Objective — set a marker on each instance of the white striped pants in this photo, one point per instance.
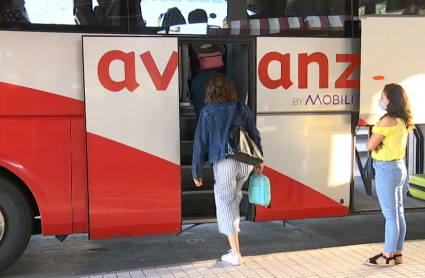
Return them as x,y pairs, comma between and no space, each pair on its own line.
230,176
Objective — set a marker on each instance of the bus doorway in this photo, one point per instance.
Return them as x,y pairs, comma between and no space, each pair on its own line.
198,205
364,191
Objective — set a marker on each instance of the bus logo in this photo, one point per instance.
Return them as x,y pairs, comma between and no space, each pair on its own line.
161,82
304,60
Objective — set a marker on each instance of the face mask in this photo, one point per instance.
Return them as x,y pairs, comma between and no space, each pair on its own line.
382,104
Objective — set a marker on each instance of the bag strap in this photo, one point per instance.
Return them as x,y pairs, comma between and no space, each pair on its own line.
236,118
259,172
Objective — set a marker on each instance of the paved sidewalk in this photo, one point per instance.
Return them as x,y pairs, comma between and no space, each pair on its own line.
331,262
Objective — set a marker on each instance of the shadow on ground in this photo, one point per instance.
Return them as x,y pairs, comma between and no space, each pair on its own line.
47,257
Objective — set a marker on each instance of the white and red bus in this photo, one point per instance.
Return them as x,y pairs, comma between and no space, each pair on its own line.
96,125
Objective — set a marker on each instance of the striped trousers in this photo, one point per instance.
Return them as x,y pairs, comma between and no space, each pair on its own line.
230,176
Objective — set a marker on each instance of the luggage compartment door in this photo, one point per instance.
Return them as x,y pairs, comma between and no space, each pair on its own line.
133,137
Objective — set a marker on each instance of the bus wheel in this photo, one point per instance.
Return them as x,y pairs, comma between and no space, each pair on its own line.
16,222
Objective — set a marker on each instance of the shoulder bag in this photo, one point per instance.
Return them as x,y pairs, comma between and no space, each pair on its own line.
240,146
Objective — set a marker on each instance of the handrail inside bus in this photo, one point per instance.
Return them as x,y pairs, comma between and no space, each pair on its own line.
419,157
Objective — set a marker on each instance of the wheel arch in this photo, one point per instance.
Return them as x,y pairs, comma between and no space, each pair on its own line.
24,182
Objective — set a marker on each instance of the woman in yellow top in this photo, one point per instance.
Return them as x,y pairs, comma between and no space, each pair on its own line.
388,147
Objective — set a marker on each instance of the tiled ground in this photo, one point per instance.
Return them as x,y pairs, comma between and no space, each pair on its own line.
331,262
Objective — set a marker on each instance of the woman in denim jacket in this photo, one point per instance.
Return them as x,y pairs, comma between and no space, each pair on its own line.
388,146
215,121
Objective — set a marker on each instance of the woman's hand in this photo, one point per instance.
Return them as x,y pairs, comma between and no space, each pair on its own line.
198,182
259,167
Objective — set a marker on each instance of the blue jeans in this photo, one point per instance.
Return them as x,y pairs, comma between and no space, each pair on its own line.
198,87
390,178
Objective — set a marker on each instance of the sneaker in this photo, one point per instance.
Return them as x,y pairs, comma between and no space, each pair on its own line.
231,258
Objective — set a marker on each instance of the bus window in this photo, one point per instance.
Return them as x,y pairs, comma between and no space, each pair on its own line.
290,18
211,12
118,15
393,7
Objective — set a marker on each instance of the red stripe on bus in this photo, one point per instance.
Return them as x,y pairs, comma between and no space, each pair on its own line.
131,192
294,200
22,101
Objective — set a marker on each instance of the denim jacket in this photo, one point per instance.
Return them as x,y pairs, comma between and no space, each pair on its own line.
214,124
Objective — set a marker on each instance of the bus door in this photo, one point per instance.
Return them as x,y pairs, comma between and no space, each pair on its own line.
133,137
307,91
392,48
391,51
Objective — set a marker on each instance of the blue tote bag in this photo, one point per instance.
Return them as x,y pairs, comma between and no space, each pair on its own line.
259,190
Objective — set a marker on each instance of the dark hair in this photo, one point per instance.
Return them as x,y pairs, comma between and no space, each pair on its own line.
220,89
399,106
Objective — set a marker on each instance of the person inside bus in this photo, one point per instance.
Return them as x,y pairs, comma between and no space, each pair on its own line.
216,119
206,61
388,147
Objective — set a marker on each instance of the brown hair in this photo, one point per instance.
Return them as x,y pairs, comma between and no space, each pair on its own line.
399,105
220,89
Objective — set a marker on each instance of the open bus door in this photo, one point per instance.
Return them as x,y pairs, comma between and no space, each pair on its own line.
392,48
391,51
133,137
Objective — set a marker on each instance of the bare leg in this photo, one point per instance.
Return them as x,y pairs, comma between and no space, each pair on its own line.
388,255
234,243
398,257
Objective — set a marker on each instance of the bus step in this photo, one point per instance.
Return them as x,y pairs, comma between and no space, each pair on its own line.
189,167
201,190
198,191
204,219
186,152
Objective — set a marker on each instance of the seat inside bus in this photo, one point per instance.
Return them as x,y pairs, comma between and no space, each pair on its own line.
198,16
173,17
13,11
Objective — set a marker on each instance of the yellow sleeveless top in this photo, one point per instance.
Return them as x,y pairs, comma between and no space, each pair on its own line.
394,142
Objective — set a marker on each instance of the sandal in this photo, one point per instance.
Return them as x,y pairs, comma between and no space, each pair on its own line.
398,259
380,262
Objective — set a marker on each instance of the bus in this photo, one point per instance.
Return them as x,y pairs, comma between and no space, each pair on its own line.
97,124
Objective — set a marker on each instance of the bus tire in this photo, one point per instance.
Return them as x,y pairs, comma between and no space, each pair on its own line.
17,223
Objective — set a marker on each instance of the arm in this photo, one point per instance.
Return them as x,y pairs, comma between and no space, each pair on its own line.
374,141
200,146
379,134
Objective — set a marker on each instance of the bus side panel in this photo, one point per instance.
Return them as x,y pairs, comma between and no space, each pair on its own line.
133,136
40,151
307,89
308,161
399,60
40,81
79,175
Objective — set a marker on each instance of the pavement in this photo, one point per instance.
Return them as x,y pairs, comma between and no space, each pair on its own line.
327,263
77,256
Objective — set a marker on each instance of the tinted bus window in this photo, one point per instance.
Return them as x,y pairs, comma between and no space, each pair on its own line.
157,13
393,7
117,15
202,17
288,17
